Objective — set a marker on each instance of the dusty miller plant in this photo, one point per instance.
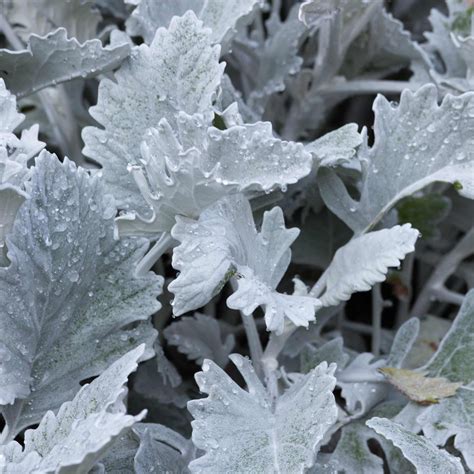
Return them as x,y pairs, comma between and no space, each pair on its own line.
236,236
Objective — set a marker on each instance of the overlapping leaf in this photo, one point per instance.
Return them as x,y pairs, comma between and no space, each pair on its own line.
120,455
162,450
224,242
453,416
188,164
423,454
417,387
450,46
352,453
79,17
454,358
179,71
336,147
15,154
240,431
55,58
70,302
417,143
187,170
221,16
275,58
330,352
360,40
150,15
76,437
361,383
455,361
200,337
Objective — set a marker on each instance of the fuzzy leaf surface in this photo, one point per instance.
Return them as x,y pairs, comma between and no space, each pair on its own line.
79,17
424,455
162,450
179,71
454,360
76,437
223,242
240,432
55,58
365,260
336,147
200,337
188,169
362,396
221,16
69,296
14,156
416,143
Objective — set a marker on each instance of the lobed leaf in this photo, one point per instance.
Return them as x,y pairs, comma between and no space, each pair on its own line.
55,58
200,337
71,305
79,17
224,242
221,16
240,430
82,430
187,170
162,450
179,71
416,143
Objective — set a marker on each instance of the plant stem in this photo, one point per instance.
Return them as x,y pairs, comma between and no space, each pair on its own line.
12,414
255,346
358,327
277,342
377,310
147,262
448,296
360,25
406,275
253,338
434,287
319,286
4,435
10,35
270,358
69,145
361,377
364,87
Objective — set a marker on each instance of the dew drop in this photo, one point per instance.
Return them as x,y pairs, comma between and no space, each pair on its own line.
73,276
